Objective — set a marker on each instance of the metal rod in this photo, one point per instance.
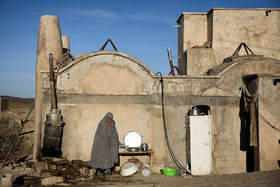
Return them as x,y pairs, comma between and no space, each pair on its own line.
109,40
245,47
26,133
248,48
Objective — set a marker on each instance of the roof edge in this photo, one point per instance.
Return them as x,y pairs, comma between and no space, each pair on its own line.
212,9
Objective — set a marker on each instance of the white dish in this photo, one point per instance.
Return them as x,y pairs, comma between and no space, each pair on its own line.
132,139
128,169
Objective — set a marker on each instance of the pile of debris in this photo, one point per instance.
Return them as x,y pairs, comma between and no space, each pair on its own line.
59,170
50,171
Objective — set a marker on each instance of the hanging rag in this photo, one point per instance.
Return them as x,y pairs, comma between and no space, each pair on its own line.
253,123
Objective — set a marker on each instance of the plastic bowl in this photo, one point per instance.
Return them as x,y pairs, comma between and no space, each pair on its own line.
128,169
169,172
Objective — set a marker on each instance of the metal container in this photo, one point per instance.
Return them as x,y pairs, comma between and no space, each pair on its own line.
146,171
194,112
144,147
133,149
199,110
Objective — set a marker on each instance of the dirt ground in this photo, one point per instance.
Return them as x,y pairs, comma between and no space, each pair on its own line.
271,178
264,178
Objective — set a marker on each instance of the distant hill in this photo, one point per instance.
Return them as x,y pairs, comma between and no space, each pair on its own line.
18,99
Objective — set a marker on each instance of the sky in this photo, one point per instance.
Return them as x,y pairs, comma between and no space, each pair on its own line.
141,28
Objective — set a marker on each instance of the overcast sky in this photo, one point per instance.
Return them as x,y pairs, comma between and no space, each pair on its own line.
141,28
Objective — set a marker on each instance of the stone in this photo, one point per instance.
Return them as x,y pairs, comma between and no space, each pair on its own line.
86,172
45,174
6,180
51,166
52,180
39,166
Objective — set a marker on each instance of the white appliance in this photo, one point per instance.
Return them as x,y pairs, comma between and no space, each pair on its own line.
198,136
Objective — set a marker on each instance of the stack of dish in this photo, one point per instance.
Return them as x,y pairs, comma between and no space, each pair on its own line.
132,141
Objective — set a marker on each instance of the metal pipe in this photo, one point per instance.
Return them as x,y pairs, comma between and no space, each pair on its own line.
53,93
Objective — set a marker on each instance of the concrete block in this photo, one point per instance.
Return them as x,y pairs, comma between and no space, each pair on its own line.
52,180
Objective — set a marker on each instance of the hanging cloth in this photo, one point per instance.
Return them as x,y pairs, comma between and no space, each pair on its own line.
250,102
253,123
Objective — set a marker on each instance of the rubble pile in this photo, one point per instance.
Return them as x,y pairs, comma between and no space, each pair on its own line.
56,170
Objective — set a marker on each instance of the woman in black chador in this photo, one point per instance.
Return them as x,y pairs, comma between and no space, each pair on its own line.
104,153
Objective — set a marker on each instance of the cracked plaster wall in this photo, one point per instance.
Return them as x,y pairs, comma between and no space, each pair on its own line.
222,30
252,26
269,107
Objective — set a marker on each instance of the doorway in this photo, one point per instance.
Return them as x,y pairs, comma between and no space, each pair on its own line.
249,133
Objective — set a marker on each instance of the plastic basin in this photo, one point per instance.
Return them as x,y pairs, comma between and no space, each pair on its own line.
169,172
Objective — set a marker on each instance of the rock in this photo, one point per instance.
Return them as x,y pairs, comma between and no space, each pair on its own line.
79,162
63,184
51,166
86,172
59,167
6,180
45,174
52,180
39,166
58,159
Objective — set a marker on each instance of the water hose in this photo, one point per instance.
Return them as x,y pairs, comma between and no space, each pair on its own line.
165,129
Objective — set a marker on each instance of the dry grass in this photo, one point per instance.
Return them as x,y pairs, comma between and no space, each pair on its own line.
17,112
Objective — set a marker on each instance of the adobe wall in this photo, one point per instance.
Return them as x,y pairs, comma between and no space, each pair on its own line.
222,30
192,31
269,106
252,26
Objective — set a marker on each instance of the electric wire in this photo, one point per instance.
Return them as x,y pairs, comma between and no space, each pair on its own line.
267,122
165,129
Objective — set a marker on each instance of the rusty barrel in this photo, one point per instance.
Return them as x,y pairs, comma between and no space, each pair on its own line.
53,134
